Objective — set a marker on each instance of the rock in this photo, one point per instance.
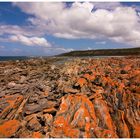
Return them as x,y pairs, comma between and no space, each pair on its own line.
53,67
46,129
9,128
76,113
136,132
11,84
9,103
50,110
133,119
103,133
123,72
2,94
33,98
94,96
102,114
29,117
37,135
42,104
71,97
22,79
70,90
32,108
122,128
48,119
20,110
24,133
81,82
34,124
45,94
89,77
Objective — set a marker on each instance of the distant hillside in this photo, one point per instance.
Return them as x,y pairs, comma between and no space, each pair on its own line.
104,52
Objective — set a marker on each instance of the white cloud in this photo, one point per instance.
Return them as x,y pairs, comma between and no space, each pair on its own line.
101,42
109,20
15,29
34,41
30,41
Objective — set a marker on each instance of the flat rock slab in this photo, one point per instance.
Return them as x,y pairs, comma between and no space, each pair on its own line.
38,107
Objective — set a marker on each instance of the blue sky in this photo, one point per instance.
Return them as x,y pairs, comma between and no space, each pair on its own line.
53,28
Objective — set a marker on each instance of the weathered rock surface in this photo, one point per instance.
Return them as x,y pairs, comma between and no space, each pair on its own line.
76,98
77,118
9,128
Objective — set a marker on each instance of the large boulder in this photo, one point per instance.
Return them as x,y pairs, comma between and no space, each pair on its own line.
76,118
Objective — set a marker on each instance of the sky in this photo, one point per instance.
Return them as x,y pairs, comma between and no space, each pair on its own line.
50,28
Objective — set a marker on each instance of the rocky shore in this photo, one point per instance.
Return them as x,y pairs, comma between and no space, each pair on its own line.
79,98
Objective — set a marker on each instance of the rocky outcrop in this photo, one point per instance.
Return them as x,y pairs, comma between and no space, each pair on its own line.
77,98
77,118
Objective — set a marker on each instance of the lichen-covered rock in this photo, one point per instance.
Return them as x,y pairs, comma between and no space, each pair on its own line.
132,116
8,104
121,127
75,98
104,133
102,114
81,82
76,113
9,128
37,135
50,110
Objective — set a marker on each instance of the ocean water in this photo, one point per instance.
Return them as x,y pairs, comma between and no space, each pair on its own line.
7,58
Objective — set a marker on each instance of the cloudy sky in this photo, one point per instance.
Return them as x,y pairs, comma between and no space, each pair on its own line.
52,28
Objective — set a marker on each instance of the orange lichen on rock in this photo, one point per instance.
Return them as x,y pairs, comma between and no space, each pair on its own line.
77,113
89,77
104,133
37,135
133,119
49,110
121,87
12,101
9,128
81,82
136,132
102,114
121,126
